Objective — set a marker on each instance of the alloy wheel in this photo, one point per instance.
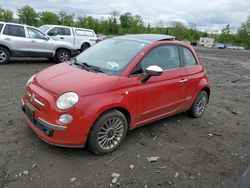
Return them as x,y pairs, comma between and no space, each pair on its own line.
111,133
201,105
64,56
3,56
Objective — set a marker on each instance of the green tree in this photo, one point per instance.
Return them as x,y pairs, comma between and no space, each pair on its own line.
226,36
27,15
6,15
125,20
136,24
66,19
243,34
112,22
48,17
180,31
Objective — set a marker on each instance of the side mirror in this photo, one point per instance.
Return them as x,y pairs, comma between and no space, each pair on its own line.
52,34
152,70
46,38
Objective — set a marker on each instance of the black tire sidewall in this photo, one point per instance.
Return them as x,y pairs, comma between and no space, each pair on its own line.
84,47
7,56
93,134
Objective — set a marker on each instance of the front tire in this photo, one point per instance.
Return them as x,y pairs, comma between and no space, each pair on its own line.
108,132
62,55
4,55
199,106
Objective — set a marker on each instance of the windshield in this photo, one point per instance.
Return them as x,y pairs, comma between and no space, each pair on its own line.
112,55
44,28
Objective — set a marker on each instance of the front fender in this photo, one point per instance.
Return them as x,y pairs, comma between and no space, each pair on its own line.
95,105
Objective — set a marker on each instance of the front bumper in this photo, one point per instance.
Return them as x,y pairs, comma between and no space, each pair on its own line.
51,133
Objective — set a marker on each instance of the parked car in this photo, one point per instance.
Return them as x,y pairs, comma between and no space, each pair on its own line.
117,85
17,40
79,37
235,48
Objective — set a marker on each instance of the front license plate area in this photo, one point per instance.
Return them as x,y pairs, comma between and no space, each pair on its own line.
29,112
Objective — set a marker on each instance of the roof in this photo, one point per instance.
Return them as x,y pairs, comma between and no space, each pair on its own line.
148,37
12,23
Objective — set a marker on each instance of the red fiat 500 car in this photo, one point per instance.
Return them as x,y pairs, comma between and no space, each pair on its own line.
117,85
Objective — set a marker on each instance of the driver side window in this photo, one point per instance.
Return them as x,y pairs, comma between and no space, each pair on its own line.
165,56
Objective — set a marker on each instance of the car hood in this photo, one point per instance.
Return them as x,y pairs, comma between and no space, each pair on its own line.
64,77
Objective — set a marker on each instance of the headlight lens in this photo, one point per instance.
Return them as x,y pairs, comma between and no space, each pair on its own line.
67,100
30,80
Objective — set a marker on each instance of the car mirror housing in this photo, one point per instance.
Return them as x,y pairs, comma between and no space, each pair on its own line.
46,38
152,70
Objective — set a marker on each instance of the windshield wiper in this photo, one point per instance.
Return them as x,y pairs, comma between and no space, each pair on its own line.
80,64
87,66
92,67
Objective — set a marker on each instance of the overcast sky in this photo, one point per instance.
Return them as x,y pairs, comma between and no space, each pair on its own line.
209,14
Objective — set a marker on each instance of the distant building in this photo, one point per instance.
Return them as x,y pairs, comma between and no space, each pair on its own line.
207,42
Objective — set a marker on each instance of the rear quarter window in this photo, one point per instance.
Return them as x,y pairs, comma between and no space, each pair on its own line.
189,57
14,30
1,27
84,32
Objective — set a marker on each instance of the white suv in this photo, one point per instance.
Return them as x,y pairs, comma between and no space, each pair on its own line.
18,40
79,37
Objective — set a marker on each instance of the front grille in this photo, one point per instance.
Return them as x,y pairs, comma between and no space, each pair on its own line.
32,97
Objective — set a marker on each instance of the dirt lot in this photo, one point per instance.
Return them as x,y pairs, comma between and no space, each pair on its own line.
209,152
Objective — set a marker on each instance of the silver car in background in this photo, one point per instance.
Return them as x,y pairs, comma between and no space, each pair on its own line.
18,40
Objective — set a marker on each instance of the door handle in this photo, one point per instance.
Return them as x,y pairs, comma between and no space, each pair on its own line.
183,80
33,41
8,39
61,38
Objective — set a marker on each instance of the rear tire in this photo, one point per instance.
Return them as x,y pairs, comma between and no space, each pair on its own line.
62,55
4,55
85,46
108,132
199,106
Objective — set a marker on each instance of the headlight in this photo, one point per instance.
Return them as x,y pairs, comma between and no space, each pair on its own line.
30,80
67,100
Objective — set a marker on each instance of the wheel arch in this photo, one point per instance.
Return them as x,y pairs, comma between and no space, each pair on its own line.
87,43
3,46
207,90
62,48
121,109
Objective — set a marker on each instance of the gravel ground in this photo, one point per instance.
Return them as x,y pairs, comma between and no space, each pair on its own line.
208,152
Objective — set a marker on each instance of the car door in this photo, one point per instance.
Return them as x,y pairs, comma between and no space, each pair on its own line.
161,95
62,34
38,43
15,38
194,72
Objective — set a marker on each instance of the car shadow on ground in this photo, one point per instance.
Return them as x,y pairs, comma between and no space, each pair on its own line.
150,130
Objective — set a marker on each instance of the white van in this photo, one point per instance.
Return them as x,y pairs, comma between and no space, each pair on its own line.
79,37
